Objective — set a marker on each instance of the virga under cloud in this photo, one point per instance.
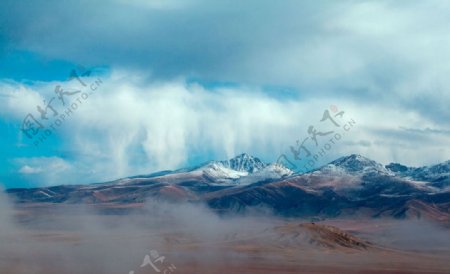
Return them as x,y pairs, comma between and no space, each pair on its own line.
377,60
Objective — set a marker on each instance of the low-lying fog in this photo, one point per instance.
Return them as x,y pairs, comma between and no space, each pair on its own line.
80,239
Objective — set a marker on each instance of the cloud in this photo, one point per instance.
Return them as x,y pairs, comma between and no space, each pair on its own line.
426,130
368,51
26,169
378,60
134,126
45,171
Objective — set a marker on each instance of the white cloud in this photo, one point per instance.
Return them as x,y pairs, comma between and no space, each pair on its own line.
46,170
26,169
381,61
130,127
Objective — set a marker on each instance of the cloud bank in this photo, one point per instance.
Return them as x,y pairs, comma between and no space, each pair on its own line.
195,80
133,126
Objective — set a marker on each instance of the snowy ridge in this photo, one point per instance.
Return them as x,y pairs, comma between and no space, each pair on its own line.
218,170
438,175
355,164
434,171
270,172
244,162
243,169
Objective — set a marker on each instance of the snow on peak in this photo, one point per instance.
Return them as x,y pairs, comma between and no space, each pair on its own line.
269,172
355,164
218,170
244,162
426,173
276,170
243,169
442,168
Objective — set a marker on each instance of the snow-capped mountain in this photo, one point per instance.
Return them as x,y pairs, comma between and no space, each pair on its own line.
349,185
244,163
217,170
438,175
269,172
243,169
354,164
439,170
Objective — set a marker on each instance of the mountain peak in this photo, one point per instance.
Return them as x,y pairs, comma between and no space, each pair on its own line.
438,175
244,162
243,156
355,164
397,168
242,169
356,157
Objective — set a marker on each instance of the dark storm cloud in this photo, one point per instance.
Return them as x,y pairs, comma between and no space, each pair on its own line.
383,62
381,51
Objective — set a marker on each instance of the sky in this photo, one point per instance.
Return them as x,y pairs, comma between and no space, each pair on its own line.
141,86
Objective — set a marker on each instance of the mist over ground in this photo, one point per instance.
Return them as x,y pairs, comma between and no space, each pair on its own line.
80,239
83,239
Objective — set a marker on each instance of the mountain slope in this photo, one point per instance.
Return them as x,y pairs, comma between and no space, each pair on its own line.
242,170
351,185
244,163
355,164
437,175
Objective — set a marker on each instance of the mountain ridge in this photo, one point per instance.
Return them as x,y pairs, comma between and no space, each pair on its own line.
349,185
